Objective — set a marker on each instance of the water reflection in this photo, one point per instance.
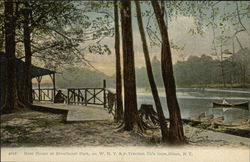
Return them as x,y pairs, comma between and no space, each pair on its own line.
196,101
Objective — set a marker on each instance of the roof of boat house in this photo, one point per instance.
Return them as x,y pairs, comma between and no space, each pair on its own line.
36,71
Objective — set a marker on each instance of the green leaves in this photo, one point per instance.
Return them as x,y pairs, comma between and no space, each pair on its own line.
99,49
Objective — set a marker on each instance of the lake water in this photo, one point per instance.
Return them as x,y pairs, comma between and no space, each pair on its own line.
196,101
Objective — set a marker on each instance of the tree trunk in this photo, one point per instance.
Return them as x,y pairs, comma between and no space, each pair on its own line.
164,129
27,68
222,67
11,102
2,39
119,111
244,75
176,134
131,117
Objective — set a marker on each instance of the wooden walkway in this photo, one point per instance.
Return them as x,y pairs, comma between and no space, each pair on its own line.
79,112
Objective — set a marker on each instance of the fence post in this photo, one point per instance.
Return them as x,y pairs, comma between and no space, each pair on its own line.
74,96
85,97
54,86
39,78
94,96
104,93
82,98
68,97
78,96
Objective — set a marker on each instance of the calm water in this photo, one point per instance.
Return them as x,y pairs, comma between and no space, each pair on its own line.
196,101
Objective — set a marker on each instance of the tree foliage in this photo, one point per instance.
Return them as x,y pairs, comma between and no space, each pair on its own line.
203,70
76,77
226,19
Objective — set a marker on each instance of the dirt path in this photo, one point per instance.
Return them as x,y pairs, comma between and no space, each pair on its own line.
32,128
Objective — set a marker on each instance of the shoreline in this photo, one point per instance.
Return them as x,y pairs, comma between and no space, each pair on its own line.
220,127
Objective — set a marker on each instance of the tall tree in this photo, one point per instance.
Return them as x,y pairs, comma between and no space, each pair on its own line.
119,111
131,118
164,129
1,26
26,98
37,21
222,66
176,134
11,102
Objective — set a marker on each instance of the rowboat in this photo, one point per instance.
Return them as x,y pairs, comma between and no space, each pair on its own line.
242,105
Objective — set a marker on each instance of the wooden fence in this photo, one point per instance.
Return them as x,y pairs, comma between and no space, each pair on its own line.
80,96
85,96
45,94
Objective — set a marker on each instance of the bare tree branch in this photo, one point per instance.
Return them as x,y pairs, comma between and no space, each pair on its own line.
216,3
43,48
213,27
239,18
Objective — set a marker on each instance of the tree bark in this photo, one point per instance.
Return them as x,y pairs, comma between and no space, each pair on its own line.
131,117
176,134
27,48
11,103
2,39
164,129
222,67
119,111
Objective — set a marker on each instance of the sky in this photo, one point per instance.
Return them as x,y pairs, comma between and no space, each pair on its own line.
178,33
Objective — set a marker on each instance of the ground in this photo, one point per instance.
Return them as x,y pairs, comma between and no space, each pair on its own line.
33,128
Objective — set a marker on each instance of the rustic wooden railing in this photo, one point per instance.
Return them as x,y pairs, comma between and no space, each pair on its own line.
80,96
86,96
45,94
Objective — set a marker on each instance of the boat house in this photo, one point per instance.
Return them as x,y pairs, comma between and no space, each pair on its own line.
37,73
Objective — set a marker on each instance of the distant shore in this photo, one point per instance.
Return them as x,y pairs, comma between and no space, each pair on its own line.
221,86
197,88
